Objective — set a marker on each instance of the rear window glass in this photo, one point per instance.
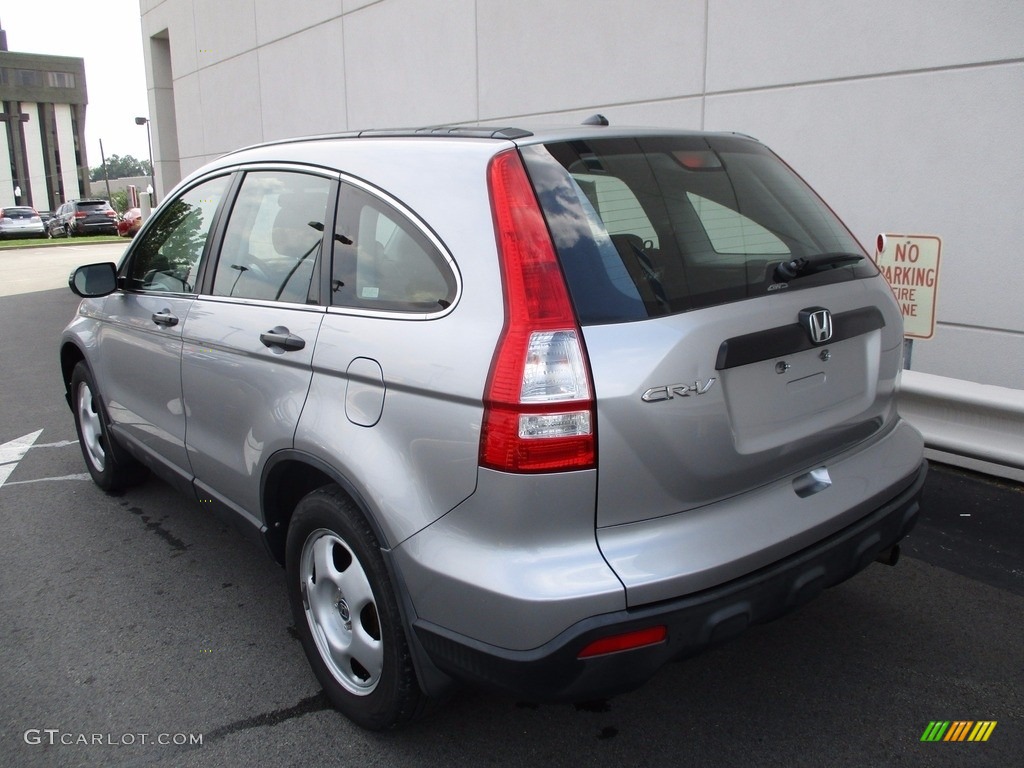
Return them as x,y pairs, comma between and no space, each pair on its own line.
658,225
93,205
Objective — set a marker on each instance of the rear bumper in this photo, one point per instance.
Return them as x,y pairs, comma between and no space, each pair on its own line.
109,227
695,622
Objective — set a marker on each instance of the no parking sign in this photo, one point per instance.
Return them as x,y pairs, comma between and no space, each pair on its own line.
910,263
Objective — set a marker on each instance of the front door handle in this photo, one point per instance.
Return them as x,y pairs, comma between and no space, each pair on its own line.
282,338
165,318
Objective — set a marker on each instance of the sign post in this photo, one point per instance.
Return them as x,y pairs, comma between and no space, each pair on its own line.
910,264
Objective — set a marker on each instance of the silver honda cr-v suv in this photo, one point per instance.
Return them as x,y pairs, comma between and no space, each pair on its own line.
539,411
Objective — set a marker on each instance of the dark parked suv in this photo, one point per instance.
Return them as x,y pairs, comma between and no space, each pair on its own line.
83,217
540,411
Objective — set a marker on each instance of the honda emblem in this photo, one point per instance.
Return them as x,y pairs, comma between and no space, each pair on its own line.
818,322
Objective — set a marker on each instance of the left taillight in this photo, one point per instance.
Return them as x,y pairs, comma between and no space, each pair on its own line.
539,412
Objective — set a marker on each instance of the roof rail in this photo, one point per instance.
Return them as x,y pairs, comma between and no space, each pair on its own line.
465,131
468,131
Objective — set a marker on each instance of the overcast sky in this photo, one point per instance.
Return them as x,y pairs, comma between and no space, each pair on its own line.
108,35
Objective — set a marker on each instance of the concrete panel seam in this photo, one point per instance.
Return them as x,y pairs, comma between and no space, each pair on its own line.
868,77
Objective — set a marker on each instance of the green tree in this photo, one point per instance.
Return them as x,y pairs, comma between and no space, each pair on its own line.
119,167
119,200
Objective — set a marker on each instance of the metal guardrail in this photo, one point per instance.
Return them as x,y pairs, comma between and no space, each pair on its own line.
976,426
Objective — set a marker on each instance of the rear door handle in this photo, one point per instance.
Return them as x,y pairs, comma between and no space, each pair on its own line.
165,318
282,338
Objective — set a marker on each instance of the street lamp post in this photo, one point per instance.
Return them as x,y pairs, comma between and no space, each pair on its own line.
152,169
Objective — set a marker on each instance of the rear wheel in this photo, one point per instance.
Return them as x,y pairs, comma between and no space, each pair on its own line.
109,465
347,615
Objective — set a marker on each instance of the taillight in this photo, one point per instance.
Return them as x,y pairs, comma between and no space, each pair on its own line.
80,214
111,213
538,405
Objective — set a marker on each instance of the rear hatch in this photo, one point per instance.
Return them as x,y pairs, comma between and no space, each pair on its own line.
21,214
95,212
736,331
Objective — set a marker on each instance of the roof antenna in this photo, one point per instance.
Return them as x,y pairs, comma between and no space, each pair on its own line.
597,119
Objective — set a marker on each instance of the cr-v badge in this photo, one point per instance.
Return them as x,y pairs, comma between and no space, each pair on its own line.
670,391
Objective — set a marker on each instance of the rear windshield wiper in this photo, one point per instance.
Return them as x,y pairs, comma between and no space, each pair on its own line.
790,270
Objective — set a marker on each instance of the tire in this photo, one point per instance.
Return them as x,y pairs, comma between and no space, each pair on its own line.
347,615
110,467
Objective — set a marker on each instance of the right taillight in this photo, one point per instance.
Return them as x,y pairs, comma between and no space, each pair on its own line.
538,404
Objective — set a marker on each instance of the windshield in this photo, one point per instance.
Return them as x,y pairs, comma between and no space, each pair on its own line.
652,226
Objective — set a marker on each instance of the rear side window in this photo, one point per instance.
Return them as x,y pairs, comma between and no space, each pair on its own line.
731,232
652,226
384,262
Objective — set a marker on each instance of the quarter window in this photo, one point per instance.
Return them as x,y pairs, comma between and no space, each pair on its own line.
382,261
274,237
733,233
167,259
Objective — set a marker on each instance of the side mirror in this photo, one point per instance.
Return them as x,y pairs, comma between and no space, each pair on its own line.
93,280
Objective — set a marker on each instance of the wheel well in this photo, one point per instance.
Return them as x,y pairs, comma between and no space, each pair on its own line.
286,484
70,356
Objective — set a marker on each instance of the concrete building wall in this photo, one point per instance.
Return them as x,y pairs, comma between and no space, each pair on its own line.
6,178
899,114
66,147
38,180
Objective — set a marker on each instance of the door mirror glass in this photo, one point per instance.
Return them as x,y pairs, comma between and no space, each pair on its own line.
93,280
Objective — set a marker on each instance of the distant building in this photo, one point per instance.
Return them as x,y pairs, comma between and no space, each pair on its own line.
42,128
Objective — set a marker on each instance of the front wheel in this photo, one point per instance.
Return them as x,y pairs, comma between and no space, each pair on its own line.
347,614
108,464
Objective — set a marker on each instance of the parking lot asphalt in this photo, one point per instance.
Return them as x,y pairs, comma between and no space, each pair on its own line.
137,616
972,525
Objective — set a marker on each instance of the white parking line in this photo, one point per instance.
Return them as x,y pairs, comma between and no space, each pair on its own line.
84,476
14,451
58,444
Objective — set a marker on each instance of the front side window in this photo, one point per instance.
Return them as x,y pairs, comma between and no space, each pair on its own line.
382,261
273,238
167,258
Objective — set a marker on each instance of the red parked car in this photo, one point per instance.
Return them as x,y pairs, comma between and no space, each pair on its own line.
129,222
